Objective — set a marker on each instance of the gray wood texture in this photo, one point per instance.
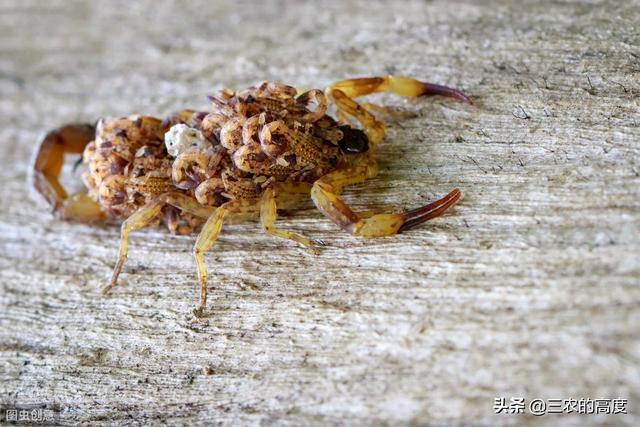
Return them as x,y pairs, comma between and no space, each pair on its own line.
528,287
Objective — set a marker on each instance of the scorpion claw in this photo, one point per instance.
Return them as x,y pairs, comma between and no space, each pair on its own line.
434,89
432,210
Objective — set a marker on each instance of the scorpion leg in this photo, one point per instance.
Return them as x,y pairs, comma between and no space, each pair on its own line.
205,241
325,195
268,215
143,216
47,166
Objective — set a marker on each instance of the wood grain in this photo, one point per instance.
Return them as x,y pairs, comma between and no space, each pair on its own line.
529,287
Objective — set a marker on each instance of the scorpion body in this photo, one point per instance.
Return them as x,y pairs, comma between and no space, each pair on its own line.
249,154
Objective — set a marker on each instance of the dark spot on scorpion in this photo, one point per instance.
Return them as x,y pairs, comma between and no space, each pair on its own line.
118,165
198,116
219,199
193,175
119,197
291,159
213,139
257,157
353,140
145,152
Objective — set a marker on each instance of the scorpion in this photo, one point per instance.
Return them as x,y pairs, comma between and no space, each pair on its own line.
254,151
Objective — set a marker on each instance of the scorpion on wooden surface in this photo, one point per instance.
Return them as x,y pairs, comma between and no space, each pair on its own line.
252,149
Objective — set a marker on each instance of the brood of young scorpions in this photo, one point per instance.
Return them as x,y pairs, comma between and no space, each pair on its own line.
252,148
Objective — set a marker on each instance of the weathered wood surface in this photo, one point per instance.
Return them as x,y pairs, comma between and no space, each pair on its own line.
529,287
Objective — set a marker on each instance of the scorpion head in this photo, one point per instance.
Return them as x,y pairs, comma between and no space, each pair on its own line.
353,141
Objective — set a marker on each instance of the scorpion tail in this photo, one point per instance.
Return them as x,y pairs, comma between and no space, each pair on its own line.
47,165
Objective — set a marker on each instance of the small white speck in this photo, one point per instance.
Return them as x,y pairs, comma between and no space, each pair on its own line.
180,137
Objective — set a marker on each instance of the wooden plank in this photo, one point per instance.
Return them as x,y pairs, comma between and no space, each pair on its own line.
529,287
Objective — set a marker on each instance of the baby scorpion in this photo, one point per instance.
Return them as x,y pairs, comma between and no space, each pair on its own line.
246,156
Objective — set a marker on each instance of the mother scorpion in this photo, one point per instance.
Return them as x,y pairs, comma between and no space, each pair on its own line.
253,151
